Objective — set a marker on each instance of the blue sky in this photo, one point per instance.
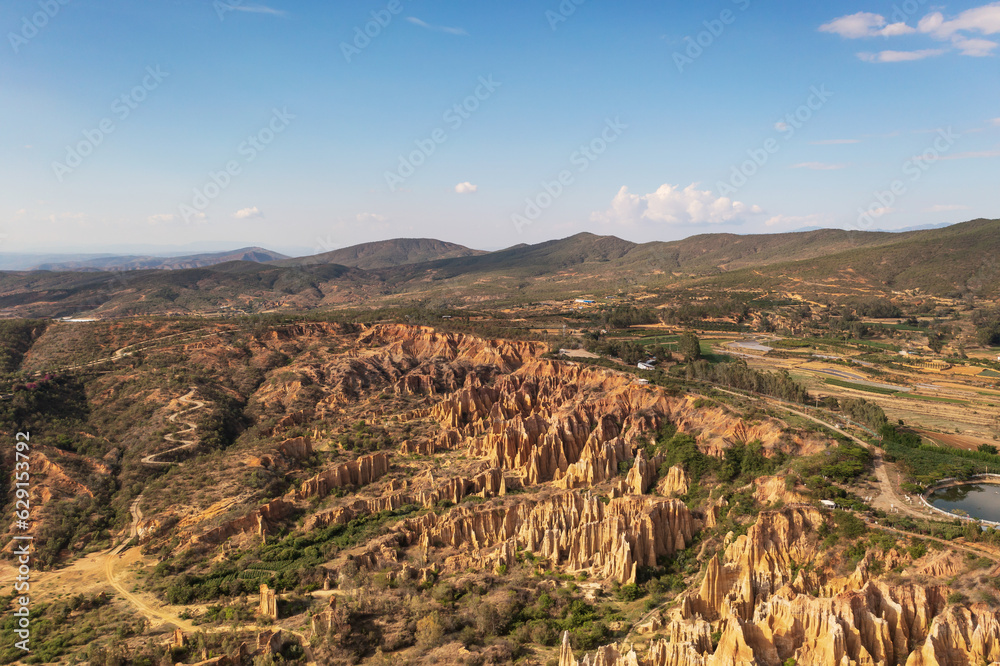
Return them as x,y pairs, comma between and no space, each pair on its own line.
184,122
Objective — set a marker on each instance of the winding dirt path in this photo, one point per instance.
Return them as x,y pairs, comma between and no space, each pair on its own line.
157,612
183,444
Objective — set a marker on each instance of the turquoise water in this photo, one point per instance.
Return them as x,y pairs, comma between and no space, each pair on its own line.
977,500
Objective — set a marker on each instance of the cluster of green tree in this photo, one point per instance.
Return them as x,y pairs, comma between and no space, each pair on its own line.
690,347
743,463
740,376
626,316
364,438
629,351
849,326
878,308
225,419
47,407
120,653
74,523
842,463
987,324
284,564
926,463
16,338
864,411
694,311
948,531
679,448
545,621
61,627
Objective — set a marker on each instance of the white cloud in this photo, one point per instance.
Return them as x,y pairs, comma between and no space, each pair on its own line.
900,56
834,142
781,126
945,208
865,24
976,48
256,9
672,205
819,166
437,28
995,122
161,218
971,155
248,213
984,20
371,217
466,188
814,220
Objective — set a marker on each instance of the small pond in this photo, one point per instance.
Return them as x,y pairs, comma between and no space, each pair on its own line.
977,500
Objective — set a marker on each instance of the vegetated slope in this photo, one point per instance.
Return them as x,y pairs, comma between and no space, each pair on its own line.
725,252
464,500
232,284
130,263
957,259
385,254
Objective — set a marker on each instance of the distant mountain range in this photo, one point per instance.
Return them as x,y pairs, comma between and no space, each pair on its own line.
101,262
960,258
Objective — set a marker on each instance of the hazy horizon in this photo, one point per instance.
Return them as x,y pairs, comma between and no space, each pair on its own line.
489,125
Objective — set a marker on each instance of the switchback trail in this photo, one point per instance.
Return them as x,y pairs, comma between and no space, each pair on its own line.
173,437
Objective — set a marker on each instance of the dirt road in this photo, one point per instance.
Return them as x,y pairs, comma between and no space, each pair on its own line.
173,437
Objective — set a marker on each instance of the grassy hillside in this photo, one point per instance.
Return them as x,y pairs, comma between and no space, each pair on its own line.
385,254
953,260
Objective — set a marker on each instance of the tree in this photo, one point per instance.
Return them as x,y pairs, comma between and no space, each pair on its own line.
690,347
430,631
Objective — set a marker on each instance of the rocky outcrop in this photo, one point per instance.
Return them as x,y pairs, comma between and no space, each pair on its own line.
642,474
770,490
757,564
598,463
268,606
568,423
961,635
426,491
297,448
675,483
426,342
571,530
764,606
259,521
360,472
